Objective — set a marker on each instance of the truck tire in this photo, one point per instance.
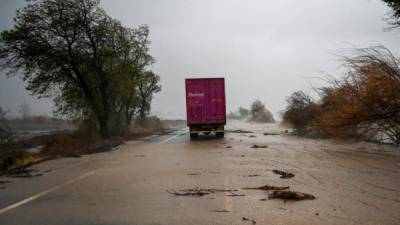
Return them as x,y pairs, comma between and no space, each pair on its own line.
219,134
194,136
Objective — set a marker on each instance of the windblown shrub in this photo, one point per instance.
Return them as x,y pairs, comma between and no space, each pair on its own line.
9,152
365,104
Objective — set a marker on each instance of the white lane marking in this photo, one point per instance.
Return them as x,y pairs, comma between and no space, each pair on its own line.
40,194
170,138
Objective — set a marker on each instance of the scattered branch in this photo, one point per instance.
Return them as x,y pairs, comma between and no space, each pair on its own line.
284,175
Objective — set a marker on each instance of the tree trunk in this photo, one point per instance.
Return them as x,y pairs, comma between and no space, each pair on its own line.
128,120
142,117
103,125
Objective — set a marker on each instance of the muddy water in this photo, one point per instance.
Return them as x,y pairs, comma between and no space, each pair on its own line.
353,183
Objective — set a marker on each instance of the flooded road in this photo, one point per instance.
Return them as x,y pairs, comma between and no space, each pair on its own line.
352,183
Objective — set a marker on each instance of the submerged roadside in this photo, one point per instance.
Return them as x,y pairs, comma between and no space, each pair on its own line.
72,143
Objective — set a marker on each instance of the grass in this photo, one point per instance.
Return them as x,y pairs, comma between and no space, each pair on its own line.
25,161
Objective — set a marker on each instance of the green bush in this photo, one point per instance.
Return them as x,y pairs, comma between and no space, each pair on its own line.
9,151
150,124
301,112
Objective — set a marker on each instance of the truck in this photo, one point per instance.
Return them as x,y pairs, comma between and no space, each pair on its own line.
205,106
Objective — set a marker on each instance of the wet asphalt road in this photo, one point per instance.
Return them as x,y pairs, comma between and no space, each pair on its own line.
353,183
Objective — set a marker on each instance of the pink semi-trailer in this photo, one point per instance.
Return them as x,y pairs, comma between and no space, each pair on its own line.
205,106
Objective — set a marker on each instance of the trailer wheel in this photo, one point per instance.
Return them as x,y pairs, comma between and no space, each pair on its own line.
219,134
194,136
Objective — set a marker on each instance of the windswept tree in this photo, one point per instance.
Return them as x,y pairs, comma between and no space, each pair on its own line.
394,19
243,112
73,51
8,151
368,99
260,114
148,85
301,111
365,104
130,77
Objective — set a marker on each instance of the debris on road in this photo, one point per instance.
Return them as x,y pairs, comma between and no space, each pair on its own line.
2,182
235,195
284,175
190,192
240,131
271,134
267,188
221,190
252,175
220,211
228,146
193,174
24,173
247,219
199,192
252,136
259,146
291,195
72,155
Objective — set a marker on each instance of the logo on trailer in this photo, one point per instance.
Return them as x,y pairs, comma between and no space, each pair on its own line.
216,100
190,94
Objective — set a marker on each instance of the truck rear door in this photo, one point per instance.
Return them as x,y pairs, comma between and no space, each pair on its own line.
216,98
196,100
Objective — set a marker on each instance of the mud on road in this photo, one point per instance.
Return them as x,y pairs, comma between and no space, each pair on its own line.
205,182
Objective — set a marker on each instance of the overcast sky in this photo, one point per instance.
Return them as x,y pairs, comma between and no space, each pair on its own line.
265,49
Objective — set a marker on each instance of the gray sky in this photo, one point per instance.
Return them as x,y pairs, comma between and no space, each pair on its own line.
265,49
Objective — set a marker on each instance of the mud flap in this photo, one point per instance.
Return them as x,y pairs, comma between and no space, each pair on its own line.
194,136
194,133
219,132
